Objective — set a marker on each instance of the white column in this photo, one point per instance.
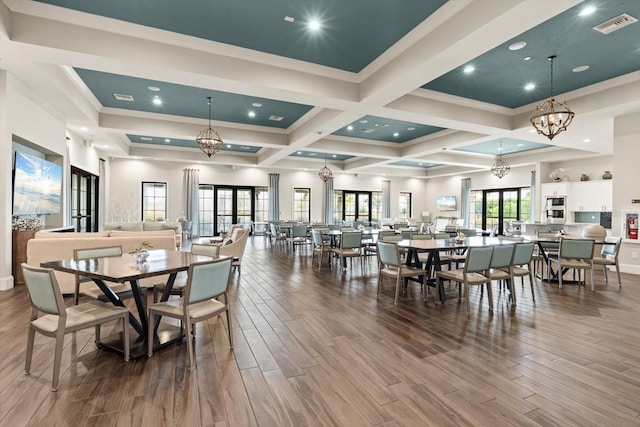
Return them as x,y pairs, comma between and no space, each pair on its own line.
6,279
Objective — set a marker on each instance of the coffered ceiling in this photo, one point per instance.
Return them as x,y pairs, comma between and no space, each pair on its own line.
412,88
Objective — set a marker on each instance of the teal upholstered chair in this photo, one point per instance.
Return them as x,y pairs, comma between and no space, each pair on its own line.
575,254
390,265
501,266
609,257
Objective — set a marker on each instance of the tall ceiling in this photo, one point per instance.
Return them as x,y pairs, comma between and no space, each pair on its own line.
409,88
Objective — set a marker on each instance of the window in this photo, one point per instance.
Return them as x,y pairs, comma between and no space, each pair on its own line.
405,205
302,204
262,204
376,206
350,206
154,201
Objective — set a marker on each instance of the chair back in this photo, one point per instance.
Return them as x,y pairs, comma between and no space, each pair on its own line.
347,228
523,253
576,248
208,250
187,226
611,247
441,236
388,253
512,238
502,256
547,234
478,259
43,289
416,236
207,280
107,251
273,228
334,227
299,231
469,232
383,234
317,237
351,239
393,237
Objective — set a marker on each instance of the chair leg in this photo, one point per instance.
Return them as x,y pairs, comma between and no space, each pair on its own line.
398,281
151,320
30,338
76,295
192,362
57,358
606,275
379,282
97,332
229,326
533,295
490,296
560,276
592,282
125,336
466,294
618,274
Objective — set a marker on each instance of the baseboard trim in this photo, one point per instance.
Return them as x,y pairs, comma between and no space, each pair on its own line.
630,268
6,283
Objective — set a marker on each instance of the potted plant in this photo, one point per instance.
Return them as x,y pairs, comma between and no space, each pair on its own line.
141,251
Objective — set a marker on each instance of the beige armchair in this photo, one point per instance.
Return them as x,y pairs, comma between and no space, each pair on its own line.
239,238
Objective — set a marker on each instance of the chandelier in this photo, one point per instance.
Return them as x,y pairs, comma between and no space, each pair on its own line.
209,140
500,168
325,173
552,117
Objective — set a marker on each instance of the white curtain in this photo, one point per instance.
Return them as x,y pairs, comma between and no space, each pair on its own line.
102,180
192,211
532,197
386,198
465,209
328,201
274,197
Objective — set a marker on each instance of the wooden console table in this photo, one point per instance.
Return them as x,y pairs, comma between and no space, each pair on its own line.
19,241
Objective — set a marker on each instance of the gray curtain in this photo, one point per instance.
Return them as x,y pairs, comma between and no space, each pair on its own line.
274,197
532,196
328,201
386,198
465,209
102,180
192,211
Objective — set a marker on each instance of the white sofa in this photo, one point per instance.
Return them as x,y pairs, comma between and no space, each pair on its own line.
55,246
176,226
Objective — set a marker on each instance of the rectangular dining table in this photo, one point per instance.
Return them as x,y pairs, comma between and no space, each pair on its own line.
124,269
434,246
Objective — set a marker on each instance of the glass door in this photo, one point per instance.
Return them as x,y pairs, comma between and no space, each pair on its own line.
500,208
356,206
84,200
232,205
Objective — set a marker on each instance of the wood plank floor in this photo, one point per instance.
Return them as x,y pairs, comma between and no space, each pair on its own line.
320,348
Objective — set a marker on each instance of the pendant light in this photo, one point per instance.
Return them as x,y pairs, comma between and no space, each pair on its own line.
208,139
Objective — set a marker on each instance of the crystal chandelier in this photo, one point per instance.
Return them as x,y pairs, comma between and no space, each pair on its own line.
325,173
500,168
208,139
552,117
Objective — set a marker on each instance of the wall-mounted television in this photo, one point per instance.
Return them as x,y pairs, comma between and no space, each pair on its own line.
37,186
446,203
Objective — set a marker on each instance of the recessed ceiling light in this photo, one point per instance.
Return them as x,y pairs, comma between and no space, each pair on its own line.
419,164
588,10
529,86
581,69
252,114
349,127
586,140
146,138
257,104
314,25
289,18
244,147
153,88
157,100
228,145
386,125
334,155
517,45
84,128
520,145
376,125
500,148
396,134
167,140
299,152
527,58
469,69
364,121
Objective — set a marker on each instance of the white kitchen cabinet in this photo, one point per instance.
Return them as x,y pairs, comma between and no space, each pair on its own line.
590,196
552,189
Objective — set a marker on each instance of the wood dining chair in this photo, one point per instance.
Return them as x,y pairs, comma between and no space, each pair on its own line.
390,265
122,290
574,254
609,257
180,284
57,320
206,282
475,272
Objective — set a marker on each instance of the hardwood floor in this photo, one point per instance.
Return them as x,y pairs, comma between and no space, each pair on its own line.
319,348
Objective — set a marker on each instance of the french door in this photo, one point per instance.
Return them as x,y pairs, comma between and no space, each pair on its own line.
84,200
221,206
356,206
500,207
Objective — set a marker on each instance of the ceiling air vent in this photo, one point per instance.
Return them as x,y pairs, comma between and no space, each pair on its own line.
121,97
276,118
146,138
615,24
368,130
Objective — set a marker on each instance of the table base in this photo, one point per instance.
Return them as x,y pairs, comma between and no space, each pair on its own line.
167,335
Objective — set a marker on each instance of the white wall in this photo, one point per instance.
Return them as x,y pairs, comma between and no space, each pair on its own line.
126,176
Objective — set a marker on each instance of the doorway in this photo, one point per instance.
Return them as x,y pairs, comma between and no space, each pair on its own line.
84,200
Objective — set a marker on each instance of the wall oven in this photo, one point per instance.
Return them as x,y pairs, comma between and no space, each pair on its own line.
555,202
555,216
555,208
